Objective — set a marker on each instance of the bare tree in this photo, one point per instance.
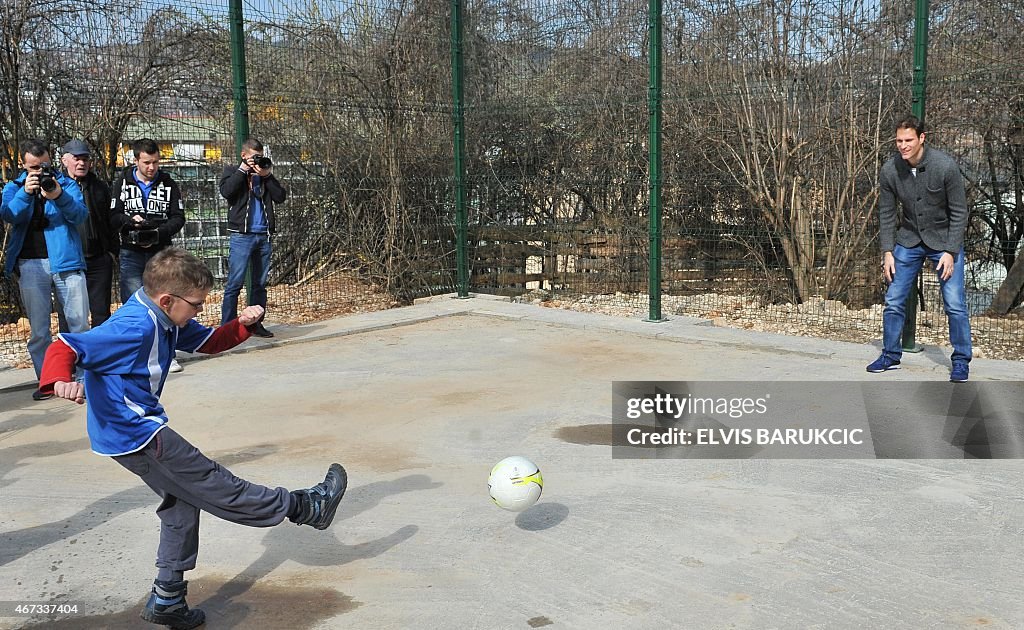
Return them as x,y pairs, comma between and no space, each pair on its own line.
125,65
370,129
794,106
31,69
976,106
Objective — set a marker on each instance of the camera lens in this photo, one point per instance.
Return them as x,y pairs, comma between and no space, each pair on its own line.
47,179
264,162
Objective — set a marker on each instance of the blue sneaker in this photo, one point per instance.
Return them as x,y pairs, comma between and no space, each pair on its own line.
883,363
959,372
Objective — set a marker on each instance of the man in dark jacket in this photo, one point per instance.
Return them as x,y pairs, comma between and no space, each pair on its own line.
147,210
100,241
927,186
251,190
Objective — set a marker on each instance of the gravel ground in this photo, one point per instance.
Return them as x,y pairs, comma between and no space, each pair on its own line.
342,294
994,337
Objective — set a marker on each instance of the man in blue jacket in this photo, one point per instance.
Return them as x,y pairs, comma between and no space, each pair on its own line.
44,249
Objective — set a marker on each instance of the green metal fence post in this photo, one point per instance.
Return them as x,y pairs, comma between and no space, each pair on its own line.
920,79
654,158
458,119
241,89
241,100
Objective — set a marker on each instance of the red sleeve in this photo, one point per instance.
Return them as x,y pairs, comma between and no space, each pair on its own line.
225,337
58,365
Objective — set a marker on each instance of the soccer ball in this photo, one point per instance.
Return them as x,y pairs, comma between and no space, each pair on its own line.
515,483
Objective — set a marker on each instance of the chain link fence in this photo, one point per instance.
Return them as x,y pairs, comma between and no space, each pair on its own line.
775,118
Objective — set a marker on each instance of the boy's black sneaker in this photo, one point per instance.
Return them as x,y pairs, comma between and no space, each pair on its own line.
167,607
318,504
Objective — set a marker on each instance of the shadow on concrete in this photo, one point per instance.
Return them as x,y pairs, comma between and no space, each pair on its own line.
296,607
542,516
938,356
285,332
31,413
363,498
244,601
933,353
247,454
238,599
11,458
19,543
304,546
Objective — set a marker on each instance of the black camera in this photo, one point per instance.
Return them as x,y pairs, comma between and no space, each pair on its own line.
47,177
261,161
142,234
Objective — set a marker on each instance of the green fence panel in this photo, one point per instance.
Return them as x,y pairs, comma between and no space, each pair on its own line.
776,117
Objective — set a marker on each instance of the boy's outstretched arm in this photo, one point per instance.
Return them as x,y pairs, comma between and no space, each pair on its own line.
234,332
57,375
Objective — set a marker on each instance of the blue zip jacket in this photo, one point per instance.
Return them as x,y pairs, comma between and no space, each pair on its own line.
63,243
126,361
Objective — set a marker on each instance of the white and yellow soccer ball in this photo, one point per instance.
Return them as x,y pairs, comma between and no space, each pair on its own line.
515,483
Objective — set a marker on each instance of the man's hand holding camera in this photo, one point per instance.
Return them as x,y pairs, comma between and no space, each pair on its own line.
259,164
141,232
42,181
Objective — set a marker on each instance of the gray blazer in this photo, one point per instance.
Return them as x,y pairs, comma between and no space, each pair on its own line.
933,203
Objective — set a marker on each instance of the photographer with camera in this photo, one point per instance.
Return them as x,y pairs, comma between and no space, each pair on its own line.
251,190
44,249
100,242
147,210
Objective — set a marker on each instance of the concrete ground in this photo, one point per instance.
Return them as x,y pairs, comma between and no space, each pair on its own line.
418,403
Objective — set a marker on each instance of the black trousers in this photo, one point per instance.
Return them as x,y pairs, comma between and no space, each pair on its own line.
188,482
99,280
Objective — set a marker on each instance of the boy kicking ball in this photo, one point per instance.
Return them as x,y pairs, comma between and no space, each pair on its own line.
126,361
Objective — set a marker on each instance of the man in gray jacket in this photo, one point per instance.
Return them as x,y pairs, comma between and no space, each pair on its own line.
929,190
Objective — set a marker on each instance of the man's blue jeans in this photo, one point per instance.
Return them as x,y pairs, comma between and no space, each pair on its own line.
908,263
132,264
246,249
37,287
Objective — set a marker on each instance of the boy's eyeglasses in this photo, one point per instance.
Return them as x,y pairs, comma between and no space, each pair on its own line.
195,305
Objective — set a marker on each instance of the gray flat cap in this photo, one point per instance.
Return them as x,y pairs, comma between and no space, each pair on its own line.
76,147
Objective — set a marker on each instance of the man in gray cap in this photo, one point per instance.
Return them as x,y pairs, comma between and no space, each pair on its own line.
100,242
